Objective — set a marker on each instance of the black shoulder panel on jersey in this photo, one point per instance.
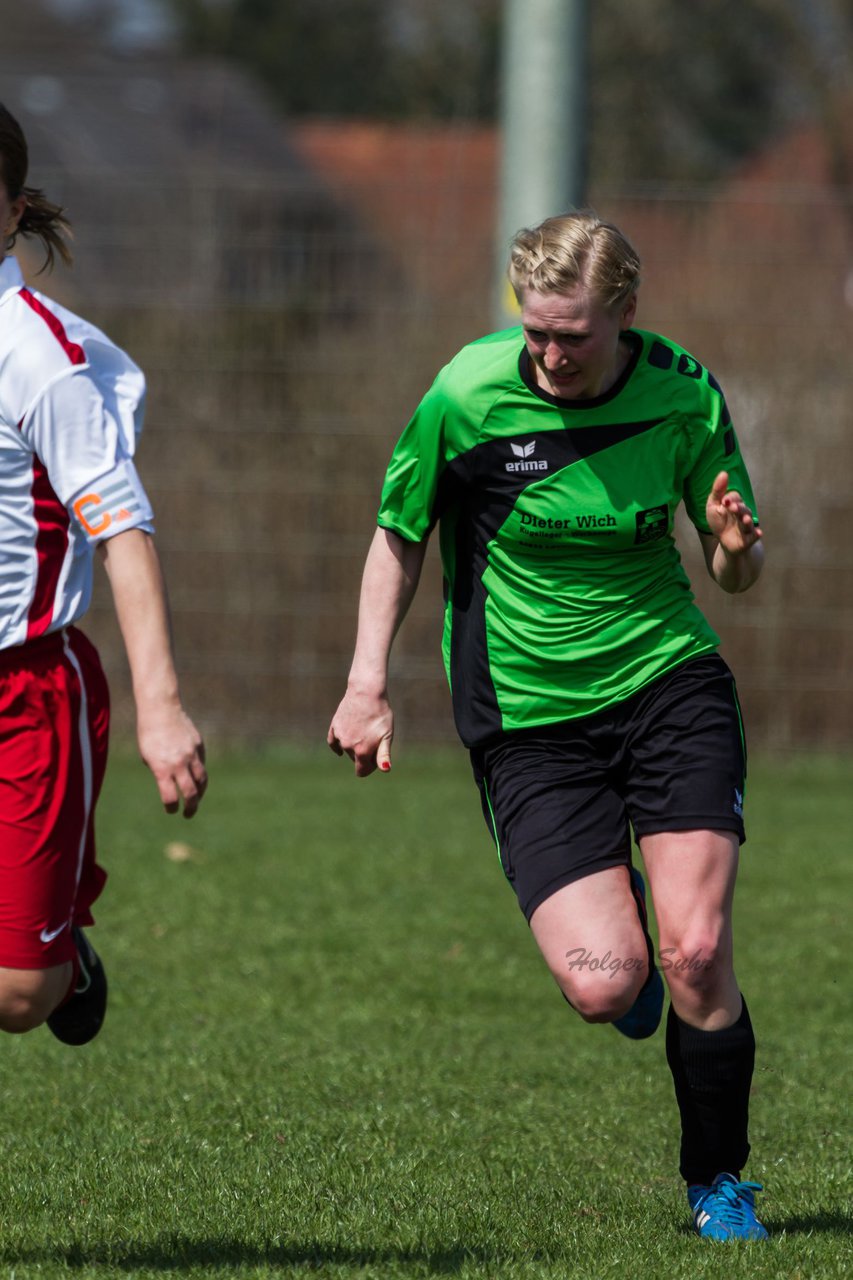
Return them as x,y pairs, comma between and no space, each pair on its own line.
689,367
661,356
726,416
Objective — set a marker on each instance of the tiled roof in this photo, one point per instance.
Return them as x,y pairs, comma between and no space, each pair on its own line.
428,191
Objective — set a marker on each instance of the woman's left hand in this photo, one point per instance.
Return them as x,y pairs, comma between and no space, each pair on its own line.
731,521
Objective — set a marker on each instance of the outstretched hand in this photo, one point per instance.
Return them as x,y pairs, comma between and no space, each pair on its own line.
730,519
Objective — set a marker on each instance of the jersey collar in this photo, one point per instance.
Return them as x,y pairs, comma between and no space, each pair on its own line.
11,280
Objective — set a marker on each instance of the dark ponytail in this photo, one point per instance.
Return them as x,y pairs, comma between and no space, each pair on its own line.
41,218
45,220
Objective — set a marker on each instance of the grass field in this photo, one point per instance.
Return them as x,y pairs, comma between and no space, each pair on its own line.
333,1051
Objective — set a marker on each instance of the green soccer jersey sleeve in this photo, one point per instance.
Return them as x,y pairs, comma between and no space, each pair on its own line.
428,468
717,450
411,483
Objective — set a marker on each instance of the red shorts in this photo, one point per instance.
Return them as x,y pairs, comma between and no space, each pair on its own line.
54,725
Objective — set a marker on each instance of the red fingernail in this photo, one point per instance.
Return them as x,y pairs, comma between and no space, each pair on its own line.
385,766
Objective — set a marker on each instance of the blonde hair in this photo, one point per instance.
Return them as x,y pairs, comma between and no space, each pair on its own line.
41,217
571,249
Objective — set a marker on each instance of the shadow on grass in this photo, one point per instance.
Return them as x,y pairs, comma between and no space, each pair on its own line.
800,1225
810,1223
175,1253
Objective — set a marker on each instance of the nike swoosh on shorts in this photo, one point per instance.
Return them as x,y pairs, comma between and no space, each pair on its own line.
48,935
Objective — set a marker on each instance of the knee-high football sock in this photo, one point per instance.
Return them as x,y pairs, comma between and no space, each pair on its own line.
712,1073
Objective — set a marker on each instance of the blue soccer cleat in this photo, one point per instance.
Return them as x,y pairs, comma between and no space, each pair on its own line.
726,1209
643,1018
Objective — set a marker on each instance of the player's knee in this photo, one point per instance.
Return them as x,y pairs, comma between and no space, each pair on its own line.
25,1007
22,1014
697,963
603,998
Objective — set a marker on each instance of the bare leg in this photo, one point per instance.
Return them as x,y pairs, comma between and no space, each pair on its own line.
590,935
692,879
29,996
710,1046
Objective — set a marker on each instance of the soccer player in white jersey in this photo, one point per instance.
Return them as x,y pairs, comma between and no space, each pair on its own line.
70,413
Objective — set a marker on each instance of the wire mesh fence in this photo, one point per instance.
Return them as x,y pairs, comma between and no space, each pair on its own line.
288,331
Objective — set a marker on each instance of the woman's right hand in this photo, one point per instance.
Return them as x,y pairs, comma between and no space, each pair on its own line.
363,729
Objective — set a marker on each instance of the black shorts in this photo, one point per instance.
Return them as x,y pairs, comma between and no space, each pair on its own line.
559,800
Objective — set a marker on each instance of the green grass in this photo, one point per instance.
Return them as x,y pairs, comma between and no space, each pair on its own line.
332,1050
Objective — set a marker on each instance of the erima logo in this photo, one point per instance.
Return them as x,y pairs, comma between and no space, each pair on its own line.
527,463
738,804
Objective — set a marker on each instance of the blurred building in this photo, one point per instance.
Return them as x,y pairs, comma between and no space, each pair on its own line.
180,183
291,288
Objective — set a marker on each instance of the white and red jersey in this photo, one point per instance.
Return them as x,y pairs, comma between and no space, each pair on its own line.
71,406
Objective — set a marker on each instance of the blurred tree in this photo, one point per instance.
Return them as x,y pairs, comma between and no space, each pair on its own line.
826,62
678,92
370,58
681,91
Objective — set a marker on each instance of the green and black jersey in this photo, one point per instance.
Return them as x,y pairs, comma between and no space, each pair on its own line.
565,592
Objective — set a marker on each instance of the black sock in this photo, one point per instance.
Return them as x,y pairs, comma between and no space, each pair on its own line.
712,1073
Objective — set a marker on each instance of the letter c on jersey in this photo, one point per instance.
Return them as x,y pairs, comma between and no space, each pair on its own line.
92,500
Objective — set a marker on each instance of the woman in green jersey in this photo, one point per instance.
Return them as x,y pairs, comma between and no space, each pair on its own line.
585,681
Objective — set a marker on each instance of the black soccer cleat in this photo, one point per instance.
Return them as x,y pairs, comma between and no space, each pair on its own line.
81,1017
